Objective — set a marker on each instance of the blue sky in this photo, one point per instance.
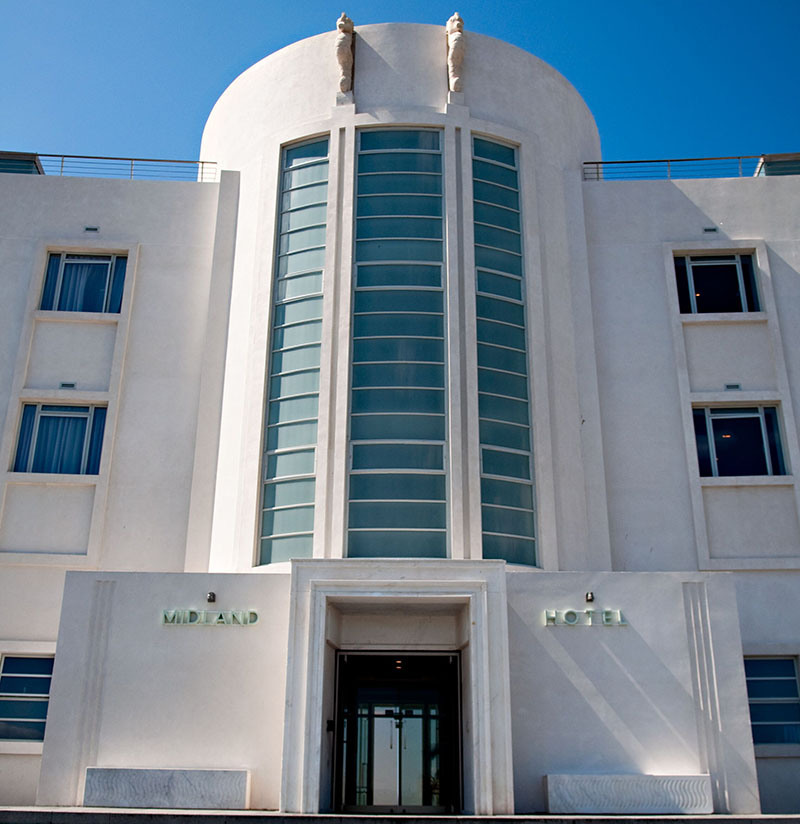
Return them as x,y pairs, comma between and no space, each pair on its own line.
678,78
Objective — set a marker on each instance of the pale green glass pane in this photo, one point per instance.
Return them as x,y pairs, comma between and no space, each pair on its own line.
287,435
297,287
501,383
303,239
505,434
304,197
398,300
296,409
494,174
287,493
380,324
367,250
301,262
376,139
506,464
398,274
296,383
381,544
284,521
398,456
275,550
297,335
502,310
495,194
398,400
506,493
396,515
500,285
305,175
507,521
288,360
397,427
397,487
399,162
398,374
492,236
308,216
290,463
498,357
501,334
398,183
496,216
305,153
511,550
493,151
502,409
495,259
398,349
427,205
298,310
383,227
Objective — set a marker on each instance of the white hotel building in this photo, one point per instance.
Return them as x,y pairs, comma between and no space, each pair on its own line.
411,465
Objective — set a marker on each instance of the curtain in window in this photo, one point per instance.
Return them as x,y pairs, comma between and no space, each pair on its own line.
25,438
83,287
96,441
51,281
59,445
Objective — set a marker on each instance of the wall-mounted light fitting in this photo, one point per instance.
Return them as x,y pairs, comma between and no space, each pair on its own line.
211,597
589,597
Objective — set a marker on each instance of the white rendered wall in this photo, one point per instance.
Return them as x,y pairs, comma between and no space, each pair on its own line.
145,364
400,79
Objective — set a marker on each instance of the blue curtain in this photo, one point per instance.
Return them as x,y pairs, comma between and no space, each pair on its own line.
50,281
25,438
117,284
59,444
83,287
96,440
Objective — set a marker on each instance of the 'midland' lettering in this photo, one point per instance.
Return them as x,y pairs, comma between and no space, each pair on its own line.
209,617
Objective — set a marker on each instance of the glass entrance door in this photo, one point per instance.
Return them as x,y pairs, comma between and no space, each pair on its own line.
397,734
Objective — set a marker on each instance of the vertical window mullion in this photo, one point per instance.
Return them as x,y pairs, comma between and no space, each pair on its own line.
690,280
765,440
740,278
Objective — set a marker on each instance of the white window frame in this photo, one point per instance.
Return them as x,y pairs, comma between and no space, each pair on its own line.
95,258
691,261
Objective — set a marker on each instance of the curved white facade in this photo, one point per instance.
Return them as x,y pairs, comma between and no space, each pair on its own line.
514,450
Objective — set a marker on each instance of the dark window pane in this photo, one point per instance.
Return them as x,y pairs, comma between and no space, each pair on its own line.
398,183
502,310
96,441
378,325
506,493
22,730
505,434
367,250
369,544
507,521
772,688
383,227
490,193
397,349
59,444
503,409
493,151
511,550
397,515
501,383
399,274
399,162
701,437
779,712
25,440
776,733
83,286
398,300
275,550
501,238
494,174
19,665
24,685
769,668
496,216
397,487
495,259
399,374
508,464
399,205
739,445
50,282
750,288
296,155
496,357
26,710
287,493
117,284
774,440
500,285
397,427
716,288
398,400
501,334
682,280
398,456
372,139
286,521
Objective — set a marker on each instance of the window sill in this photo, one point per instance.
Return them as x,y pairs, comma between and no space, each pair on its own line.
777,750
50,479
54,316
749,480
21,747
723,317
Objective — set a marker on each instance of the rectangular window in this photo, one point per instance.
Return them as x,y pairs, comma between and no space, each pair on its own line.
84,283
58,439
719,283
738,441
24,693
772,690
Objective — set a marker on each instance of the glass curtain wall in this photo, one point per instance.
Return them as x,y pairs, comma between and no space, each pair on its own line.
290,439
397,424
507,499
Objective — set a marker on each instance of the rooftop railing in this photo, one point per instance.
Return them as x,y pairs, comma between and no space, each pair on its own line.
128,168
677,168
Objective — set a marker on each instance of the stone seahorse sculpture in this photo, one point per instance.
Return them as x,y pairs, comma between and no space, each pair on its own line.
455,51
344,52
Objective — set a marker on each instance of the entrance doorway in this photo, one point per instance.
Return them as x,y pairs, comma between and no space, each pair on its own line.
397,730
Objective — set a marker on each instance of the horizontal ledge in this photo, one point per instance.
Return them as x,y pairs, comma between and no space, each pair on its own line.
56,316
697,318
739,481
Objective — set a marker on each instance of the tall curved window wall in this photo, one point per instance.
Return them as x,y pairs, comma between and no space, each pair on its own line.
397,505
290,437
507,499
